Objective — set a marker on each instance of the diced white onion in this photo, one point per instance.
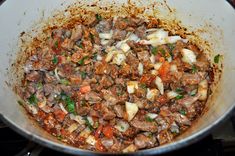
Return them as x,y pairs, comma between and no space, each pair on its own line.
202,90
173,39
151,115
56,74
104,42
125,47
119,58
188,56
77,118
91,140
140,68
85,133
99,57
152,59
132,86
157,66
154,72
172,94
131,109
32,109
72,127
106,36
158,82
109,56
152,94
133,37
160,34
151,29
90,120
130,148
62,108
173,68
122,126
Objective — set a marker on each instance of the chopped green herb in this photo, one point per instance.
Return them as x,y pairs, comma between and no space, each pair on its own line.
179,90
163,52
193,92
80,46
92,37
174,131
122,127
94,56
171,46
55,60
69,102
154,50
216,58
183,112
147,118
194,69
96,124
88,124
59,137
83,74
98,17
33,99
125,19
143,86
179,97
39,85
81,62
56,44
20,102
64,82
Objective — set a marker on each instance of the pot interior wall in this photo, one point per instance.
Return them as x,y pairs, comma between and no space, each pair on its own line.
16,17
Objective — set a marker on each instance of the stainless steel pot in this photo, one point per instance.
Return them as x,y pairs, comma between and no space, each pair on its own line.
213,20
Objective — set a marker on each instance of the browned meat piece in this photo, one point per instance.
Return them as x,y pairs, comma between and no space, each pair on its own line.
48,89
93,97
188,100
140,31
57,33
104,26
125,70
121,23
31,88
94,113
65,70
106,81
143,141
119,34
109,97
77,33
117,146
114,71
130,132
102,68
136,47
48,78
107,143
195,49
33,76
202,63
59,114
119,110
164,137
181,119
190,79
66,89
107,113
132,60
120,81
143,56
144,125
135,21
82,110
90,20
178,47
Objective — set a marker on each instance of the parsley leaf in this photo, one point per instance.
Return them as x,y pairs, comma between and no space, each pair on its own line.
216,58
179,97
193,92
194,69
98,17
56,44
20,102
81,62
64,81
183,112
147,118
88,123
163,52
171,46
55,60
143,86
33,99
83,74
179,90
69,102
154,51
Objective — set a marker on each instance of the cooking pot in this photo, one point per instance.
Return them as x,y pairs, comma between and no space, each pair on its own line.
211,21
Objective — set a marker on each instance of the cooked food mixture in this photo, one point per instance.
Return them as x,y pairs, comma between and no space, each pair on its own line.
115,85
